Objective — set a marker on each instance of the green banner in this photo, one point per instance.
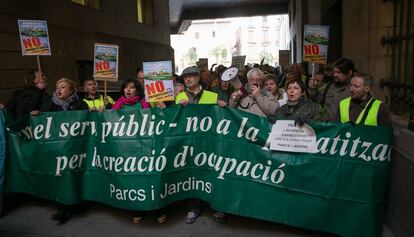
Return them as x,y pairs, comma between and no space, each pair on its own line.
143,160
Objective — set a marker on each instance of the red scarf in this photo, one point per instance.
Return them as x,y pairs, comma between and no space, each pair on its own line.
129,101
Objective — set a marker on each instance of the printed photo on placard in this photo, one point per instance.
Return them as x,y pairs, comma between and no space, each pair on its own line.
34,37
158,81
105,61
315,43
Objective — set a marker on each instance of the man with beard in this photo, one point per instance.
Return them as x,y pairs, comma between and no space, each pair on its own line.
344,68
361,107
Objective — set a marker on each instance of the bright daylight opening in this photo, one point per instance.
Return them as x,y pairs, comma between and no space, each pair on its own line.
218,40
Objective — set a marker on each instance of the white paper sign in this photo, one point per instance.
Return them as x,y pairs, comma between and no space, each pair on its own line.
286,136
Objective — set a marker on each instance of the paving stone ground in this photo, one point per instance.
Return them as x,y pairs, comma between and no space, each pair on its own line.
30,220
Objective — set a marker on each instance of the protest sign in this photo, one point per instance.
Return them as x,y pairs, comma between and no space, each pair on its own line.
105,62
238,61
145,159
158,81
315,43
202,63
287,136
284,60
34,37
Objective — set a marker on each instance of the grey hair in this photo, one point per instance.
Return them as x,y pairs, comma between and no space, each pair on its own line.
255,71
367,78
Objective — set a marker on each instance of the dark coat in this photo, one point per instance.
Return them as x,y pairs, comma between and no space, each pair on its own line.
356,107
305,109
26,101
50,106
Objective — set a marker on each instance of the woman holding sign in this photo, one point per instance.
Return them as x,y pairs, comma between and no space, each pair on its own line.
298,107
133,96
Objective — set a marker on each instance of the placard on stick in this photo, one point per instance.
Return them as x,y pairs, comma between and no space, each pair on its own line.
315,43
34,37
105,62
238,61
202,63
158,81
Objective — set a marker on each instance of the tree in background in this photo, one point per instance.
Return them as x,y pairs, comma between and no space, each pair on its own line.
219,53
268,57
190,58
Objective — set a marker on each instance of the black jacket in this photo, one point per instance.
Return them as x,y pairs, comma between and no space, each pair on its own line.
26,101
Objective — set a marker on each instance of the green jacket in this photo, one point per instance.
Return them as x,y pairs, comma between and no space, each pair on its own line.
304,109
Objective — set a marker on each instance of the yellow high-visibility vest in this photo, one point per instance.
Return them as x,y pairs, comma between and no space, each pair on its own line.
98,102
371,118
207,97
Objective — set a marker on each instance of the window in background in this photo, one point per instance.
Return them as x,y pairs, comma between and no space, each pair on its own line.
265,34
250,36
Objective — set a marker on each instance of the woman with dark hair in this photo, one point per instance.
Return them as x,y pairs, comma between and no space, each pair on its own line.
29,100
133,96
297,108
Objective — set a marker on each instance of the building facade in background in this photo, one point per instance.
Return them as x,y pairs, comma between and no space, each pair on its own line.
218,40
74,27
378,36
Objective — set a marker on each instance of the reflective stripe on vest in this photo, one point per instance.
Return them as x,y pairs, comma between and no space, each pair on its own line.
371,118
98,102
207,97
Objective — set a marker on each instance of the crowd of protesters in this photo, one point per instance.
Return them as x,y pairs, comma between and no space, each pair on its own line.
336,93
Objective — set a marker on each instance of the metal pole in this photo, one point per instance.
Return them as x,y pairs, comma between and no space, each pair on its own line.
400,88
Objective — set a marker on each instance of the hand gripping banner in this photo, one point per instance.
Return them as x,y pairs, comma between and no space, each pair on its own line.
144,160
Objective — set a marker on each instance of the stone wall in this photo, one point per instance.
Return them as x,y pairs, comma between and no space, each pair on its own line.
73,31
400,208
364,23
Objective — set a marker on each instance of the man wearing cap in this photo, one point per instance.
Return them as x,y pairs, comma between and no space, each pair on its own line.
194,92
361,107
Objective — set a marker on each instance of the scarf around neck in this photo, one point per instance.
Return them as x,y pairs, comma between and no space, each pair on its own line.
129,101
65,104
